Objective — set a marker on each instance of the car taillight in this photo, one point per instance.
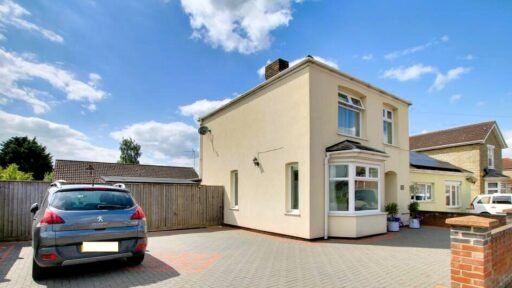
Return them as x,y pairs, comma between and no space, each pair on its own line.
138,215
471,206
51,217
141,246
49,256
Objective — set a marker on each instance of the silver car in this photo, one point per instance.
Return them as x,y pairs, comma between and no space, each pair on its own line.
78,224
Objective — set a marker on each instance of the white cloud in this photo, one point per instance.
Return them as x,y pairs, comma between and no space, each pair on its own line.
201,107
469,57
162,143
399,53
408,73
12,14
367,57
455,98
61,141
332,63
242,26
443,79
16,70
508,138
2,37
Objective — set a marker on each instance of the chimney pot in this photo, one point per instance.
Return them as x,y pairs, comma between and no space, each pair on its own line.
275,68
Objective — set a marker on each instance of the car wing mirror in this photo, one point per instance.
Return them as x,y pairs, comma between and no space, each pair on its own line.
34,208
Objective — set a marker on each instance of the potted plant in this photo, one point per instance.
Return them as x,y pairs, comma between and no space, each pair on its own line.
414,219
393,220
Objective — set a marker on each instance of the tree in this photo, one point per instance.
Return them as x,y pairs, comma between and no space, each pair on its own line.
28,155
48,177
12,173
130,152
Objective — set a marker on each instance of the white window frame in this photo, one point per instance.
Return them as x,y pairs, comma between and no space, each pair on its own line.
352,178
235,184
349,104
426,184
388,120
501,187
289,179
457,194
490,156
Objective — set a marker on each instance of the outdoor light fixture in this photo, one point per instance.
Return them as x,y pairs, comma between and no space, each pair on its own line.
256,162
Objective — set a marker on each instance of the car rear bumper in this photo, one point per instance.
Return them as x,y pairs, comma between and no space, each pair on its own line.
96,259
71,254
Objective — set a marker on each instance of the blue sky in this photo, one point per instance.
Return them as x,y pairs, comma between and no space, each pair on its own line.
80,75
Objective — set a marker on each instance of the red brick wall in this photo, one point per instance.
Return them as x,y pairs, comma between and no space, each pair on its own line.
501,257
481,255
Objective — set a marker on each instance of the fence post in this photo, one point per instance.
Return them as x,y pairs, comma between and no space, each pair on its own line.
471,261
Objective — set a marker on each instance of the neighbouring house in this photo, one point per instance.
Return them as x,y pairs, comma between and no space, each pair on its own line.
439,186
476,148
311,152
74,171
507,170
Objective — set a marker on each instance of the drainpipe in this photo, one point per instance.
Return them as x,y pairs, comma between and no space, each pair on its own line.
326,195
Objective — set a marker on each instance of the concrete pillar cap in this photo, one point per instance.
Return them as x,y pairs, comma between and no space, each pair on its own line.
473,221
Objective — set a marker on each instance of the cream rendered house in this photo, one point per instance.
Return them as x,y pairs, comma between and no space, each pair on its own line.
439,186
476,148
311,152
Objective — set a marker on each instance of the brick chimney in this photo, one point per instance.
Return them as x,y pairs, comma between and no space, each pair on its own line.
275,67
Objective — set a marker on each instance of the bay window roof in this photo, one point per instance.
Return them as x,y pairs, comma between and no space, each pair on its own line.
348,145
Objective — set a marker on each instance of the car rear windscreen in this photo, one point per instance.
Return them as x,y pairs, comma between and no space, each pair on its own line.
78,200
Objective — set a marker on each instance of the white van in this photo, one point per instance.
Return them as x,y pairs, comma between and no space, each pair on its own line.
491,203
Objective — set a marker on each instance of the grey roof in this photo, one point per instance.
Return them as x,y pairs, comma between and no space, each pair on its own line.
76,171
148,180
422,161
493,173
347,145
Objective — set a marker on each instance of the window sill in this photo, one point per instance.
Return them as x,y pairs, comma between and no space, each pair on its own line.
453,207
234,208
292,213
356,214
391,145
351,136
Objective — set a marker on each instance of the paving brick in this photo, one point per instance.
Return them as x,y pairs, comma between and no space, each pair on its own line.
226,257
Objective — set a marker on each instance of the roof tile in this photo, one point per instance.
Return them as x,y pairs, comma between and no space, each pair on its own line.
76,171
451,137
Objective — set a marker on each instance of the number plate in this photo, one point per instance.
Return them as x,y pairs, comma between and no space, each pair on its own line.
100,247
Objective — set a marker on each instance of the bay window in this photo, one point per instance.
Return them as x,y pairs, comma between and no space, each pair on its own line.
495,187
353,188
349,115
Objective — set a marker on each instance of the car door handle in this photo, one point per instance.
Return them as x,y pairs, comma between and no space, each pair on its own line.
493,207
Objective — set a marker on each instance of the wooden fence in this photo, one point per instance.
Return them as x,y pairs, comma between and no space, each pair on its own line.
167,206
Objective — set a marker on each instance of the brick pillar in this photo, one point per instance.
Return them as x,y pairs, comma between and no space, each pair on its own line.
471,262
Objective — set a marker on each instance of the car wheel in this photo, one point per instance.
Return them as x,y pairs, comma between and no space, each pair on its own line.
135,260
38,272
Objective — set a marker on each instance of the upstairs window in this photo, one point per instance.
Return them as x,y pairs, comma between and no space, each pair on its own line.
349,115
387,116
490,156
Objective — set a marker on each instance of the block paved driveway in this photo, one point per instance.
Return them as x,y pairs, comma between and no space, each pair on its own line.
226,257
